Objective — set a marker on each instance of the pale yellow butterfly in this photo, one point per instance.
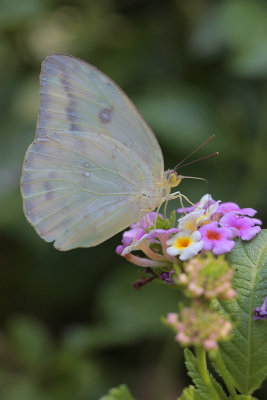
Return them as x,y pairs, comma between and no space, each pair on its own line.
95,166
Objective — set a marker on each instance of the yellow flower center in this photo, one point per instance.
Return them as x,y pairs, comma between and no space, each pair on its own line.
190,226
206,218
182,242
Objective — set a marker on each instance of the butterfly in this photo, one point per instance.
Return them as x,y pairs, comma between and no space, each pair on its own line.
95,167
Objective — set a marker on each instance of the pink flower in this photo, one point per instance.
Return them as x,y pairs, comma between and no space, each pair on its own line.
129,236
146,221
161,234
216,239
152,259
243,227
229,206
142,242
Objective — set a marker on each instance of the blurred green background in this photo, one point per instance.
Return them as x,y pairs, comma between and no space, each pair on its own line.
71,324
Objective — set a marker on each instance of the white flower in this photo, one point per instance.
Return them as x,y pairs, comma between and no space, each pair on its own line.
205,218
205,200
185,244
189,221
135,245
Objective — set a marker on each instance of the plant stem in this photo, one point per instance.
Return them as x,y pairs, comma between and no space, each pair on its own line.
225,374
201,356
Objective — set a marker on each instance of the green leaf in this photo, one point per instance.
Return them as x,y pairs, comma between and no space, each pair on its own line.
119,393
245,355
193,371
191,393
192,366
188,394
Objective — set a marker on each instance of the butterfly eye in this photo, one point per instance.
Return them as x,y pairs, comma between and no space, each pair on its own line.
173,178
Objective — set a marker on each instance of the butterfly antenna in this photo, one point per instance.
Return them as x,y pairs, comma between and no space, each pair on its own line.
199,159
193,152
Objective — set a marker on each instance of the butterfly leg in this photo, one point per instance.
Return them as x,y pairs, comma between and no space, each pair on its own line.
181,196
142,213
156,216
165,208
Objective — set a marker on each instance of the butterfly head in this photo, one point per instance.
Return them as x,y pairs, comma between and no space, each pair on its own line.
173,178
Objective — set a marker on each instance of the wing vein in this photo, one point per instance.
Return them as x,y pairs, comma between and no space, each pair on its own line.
68,215
94,222
41,203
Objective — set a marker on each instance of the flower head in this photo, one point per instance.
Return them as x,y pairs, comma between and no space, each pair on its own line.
209,226
185,244
243,227
208,276
199,326
216,239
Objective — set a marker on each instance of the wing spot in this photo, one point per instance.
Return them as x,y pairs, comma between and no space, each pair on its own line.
105,115
145,195
49,190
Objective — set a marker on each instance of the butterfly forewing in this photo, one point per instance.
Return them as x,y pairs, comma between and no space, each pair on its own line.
83,174
77,97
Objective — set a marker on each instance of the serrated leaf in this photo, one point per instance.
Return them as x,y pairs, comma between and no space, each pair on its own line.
188,394
193,371
119,393
218,388
192,366
245,355
191,393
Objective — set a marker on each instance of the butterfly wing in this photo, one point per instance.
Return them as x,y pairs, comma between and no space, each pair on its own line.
93,153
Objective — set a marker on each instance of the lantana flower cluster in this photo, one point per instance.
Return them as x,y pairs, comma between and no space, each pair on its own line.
203,279
208,226
199,326
207,277
188,254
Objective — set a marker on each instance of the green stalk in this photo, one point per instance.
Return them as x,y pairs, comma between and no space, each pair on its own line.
225,374
201,356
